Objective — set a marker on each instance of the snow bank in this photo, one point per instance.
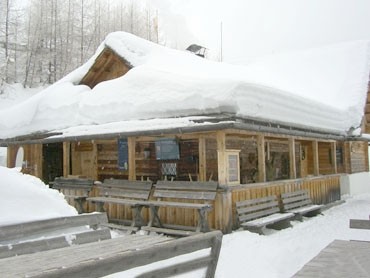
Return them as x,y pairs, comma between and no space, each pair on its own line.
3,155
26,198
283,253
319,88
355,184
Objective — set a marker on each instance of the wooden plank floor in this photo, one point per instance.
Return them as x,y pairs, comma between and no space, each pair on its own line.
340,258
33,264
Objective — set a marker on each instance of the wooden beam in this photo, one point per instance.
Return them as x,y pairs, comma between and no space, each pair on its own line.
292,162
333,148
221,157
202,159
315,155
131,158
66,158
39,160
261,158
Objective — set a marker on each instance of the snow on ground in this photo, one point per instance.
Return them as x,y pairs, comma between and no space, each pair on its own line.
278,254
320,88
26,198
3,155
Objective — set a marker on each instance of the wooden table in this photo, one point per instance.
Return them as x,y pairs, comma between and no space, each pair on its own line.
105,257
341,258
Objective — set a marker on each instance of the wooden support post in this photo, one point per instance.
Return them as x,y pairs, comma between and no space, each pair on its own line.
37,151
315,155
333,149
131,158
11,155
95,160
66,158
221,157
292,163
223,211
202,159
261,158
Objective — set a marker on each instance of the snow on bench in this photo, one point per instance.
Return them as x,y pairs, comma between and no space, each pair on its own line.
256,214
35,236
299,203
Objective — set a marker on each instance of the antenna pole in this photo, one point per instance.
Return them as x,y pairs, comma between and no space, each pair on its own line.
221,42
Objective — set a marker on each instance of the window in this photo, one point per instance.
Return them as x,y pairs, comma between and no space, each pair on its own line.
233,168
167,149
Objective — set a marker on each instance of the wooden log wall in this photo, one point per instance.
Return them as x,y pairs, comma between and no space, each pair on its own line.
107,66
325,161
358,157
211,159
323,190
107,161
33,156
341,157
84,159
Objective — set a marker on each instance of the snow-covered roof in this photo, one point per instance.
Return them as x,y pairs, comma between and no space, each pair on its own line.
323,89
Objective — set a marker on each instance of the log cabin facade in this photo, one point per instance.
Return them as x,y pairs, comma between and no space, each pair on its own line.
249,158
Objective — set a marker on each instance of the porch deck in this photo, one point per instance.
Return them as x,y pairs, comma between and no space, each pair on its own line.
341,258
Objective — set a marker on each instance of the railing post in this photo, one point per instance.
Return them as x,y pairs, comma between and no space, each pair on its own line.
223,210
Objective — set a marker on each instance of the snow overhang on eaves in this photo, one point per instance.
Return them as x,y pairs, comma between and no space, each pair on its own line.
208,124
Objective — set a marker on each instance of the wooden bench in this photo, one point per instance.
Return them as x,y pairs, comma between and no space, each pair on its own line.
75,190
35,236
299,203
256,214
188,195
126,193
106,257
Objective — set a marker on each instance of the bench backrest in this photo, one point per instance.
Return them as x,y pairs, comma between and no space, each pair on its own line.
186,190
295,199
72,183
29,229
256,208
137,190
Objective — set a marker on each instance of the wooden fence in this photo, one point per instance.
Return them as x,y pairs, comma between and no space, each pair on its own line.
323,190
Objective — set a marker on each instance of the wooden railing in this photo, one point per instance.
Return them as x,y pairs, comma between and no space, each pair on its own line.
323,190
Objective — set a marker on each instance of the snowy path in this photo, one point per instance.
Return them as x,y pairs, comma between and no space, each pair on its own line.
283,253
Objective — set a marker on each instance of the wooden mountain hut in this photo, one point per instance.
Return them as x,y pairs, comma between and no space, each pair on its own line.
248,157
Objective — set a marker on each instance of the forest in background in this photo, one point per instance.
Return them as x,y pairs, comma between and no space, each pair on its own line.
44,40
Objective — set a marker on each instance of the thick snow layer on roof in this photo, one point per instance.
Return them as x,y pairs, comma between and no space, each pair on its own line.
322,88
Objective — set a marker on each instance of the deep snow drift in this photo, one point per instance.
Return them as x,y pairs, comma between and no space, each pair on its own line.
279,254
26,198
322,88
